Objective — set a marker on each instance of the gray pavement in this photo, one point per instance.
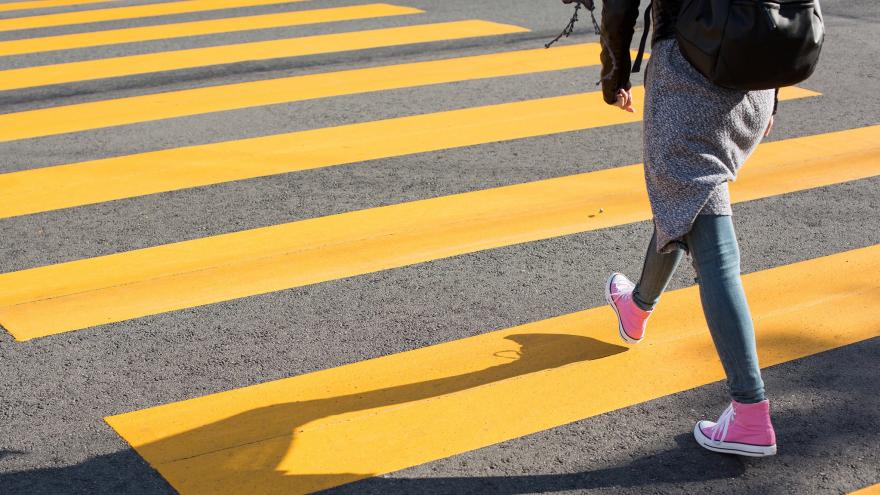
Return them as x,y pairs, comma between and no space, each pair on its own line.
55,391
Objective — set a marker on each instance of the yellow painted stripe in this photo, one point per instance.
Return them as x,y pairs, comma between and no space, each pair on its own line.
868,490
132,12
196,28
64,186
261,50
79,294
94,115
45,4
332,427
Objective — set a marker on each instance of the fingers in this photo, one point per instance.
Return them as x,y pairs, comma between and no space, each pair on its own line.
769,127
624,100
624,104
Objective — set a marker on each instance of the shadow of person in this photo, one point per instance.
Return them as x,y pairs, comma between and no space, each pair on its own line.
122,472
686,463
251,445
10,453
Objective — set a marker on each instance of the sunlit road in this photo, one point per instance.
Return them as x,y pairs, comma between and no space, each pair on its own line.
275,246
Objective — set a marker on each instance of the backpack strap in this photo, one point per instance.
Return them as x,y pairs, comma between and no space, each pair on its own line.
637,64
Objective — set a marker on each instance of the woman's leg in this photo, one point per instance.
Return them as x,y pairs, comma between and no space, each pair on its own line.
656,273
713,246
633,303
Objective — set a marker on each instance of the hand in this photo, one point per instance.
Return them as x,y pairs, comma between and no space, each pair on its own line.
769,126
624,100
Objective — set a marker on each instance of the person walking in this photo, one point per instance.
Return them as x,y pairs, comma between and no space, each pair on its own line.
696,136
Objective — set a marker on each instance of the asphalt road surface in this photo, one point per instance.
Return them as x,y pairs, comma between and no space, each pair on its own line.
450,343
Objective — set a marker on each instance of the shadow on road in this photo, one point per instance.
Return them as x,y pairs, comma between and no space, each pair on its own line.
802,432
661,467
259,460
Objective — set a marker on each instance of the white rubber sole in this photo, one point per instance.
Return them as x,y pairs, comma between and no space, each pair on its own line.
732,447
626,338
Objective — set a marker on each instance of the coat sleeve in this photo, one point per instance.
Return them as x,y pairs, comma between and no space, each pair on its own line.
618,24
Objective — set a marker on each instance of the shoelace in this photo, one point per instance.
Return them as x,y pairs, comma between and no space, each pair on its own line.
624,286
723,424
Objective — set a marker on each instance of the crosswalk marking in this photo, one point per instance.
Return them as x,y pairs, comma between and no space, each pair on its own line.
131,12
198,28
868,490
335,426
79,294
339,425
254,51
64,186
44,4
93,115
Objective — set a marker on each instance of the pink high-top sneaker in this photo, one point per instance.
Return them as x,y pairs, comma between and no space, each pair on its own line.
742,429
631,319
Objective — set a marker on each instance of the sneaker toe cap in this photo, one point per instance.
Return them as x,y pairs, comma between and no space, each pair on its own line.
704,427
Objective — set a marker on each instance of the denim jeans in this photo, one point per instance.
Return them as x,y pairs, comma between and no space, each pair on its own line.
715,253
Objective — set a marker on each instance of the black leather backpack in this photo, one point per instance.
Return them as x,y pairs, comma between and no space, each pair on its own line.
748,44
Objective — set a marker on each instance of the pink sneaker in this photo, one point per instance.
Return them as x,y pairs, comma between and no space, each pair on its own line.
742,429
631,319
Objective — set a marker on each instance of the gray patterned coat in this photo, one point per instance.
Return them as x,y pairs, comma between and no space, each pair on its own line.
697,135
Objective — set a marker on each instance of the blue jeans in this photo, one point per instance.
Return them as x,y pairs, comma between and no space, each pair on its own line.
715,253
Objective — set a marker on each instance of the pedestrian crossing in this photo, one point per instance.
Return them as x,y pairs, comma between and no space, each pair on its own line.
80,294
338,425
65,186
121,13
89,70
201,28
868,490
323,429
106,113
45,4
